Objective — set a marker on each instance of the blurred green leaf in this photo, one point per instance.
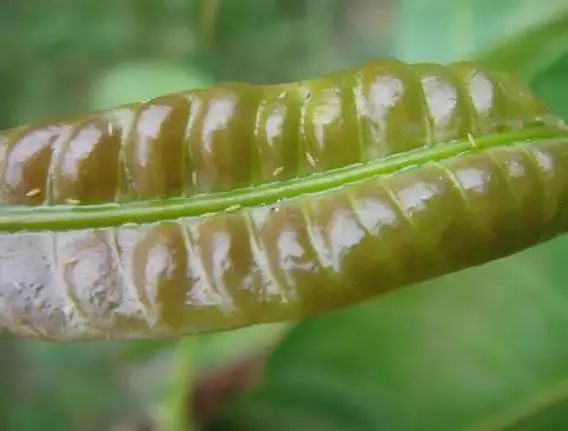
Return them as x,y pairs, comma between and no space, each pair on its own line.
10,374
132,82
551,416
165,394
540,57
532,52
75,386
446,355
142,349
552,86
448,30
223,348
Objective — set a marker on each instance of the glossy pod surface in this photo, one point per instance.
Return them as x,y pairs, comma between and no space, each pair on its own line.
238,135
220,208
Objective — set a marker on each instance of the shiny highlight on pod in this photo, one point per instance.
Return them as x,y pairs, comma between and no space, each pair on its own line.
492,179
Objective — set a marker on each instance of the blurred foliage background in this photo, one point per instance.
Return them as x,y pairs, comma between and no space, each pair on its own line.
482,349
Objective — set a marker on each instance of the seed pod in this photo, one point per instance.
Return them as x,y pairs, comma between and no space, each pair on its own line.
225,207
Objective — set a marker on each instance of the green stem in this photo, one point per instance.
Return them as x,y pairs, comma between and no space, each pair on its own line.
64,217
175,414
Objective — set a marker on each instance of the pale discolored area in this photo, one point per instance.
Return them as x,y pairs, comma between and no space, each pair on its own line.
33,301
290,259
391,109
237,135
448,108
90,276
488,105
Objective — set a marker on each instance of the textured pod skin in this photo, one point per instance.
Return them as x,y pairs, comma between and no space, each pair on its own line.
399,181
237,135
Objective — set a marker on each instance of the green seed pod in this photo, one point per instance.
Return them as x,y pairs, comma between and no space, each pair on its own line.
219,208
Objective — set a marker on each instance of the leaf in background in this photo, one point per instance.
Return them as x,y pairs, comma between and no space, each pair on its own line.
220,349
10,375
552,86
480,348
132,82
103,384
531,52
539,56
447,30
76,386
161,372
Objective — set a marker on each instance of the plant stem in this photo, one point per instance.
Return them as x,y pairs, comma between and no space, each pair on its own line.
175,412
209,13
